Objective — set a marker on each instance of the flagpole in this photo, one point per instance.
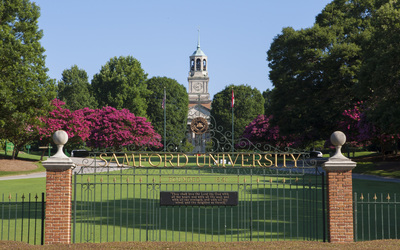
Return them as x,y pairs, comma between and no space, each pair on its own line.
233,124
165,119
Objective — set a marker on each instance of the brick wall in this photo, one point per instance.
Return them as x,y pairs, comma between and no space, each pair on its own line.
58,206
340,206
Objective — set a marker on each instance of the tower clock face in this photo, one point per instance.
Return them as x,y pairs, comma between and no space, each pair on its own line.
197,86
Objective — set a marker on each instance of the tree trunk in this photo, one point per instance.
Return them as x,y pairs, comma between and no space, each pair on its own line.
15,153
383,150
41,157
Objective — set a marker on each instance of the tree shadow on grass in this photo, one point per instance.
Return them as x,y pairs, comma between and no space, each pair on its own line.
138,215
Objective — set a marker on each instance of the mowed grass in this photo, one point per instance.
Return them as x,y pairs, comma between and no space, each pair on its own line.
372,168
127,207
111,209
23,186
33,156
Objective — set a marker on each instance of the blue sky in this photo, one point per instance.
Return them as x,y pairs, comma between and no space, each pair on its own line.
235,35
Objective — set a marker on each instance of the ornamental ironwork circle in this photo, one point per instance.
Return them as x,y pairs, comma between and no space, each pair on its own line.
199,125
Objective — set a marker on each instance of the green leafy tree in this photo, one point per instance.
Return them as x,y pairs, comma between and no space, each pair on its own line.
315,70
267,98
25,88
74,89
298,101
176,105
380,74
121,83
249,103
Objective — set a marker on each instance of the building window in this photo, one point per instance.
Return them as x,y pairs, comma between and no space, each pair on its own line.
192,64
204,65
198,65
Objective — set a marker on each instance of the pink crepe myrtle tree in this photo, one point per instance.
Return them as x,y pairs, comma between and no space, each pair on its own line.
361,132
261,132
358,130
112,128
74,123
99,128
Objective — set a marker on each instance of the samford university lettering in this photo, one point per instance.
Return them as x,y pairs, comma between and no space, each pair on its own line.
202,160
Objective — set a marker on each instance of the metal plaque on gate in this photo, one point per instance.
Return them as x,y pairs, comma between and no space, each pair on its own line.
198,198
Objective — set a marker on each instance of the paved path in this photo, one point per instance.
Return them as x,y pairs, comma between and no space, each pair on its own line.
375,178
23,176
78,161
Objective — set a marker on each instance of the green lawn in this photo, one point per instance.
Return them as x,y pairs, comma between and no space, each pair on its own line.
16,212
126,207
38,185
118,211
35,156
377,204
372,168
23,186
361,154
109,209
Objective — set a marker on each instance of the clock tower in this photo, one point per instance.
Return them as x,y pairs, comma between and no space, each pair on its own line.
199,101
198,77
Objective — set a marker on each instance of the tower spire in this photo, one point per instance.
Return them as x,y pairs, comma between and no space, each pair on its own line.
198,39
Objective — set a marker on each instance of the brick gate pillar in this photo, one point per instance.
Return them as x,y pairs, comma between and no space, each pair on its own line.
340,193
58,193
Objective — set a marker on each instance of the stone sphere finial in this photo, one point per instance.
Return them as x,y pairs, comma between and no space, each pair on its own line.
338,139
60,138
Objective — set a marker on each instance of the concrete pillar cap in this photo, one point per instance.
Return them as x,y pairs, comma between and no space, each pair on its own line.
59,161
338,161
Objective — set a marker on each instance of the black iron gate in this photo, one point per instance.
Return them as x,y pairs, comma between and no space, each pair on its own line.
122,202
22,218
